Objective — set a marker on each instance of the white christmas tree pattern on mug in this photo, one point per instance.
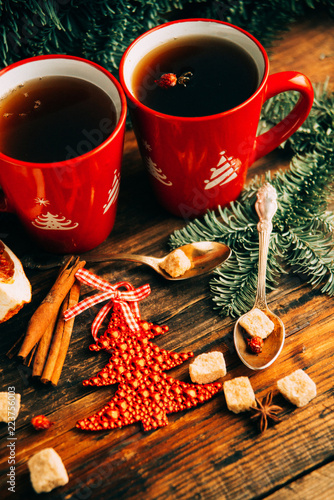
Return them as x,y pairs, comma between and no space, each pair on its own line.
157,172
113,192
53,222
226,171
153,169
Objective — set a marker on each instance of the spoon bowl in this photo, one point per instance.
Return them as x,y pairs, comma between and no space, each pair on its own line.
204,257
273,344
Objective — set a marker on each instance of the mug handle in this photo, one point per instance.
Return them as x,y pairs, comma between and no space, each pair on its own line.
277,83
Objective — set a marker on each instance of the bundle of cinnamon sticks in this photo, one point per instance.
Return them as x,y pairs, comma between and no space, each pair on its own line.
46,341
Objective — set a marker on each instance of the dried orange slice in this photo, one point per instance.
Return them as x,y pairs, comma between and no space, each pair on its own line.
15,288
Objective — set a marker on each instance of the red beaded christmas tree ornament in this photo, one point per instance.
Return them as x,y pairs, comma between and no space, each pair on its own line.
145,393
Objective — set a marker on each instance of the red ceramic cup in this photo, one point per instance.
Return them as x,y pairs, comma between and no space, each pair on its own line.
67,206
196,164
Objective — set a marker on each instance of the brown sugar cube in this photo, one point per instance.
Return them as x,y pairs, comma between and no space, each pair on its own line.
257,324
47,471
9,406
176,263
239,394
207,367
297,387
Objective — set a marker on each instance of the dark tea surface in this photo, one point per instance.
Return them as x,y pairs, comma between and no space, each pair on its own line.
223,76
54,118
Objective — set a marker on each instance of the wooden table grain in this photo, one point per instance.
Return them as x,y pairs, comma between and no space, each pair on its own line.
206,452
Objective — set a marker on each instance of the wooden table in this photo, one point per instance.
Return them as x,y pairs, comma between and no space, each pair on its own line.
206,452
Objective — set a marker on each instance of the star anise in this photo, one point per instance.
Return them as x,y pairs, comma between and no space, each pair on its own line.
265,411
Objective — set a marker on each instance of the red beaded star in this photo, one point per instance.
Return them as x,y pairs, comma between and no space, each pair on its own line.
145,393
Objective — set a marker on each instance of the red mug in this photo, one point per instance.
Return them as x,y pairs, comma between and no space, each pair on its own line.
66,206
199,163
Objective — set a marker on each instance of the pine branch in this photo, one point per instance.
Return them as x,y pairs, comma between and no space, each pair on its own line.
311,251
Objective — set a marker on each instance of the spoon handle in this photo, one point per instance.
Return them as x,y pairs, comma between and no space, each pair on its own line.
31,262
150,261
265,206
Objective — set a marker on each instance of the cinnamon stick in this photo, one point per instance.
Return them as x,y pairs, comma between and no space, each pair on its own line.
67,328
29,359
43,349
57,338
50,306
15,347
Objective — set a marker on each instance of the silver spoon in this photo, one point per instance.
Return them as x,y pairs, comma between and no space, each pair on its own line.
204,257
266,207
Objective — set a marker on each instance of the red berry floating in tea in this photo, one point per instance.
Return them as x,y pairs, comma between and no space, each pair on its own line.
167,80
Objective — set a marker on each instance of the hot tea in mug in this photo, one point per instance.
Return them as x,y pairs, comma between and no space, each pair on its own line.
212,76
49,119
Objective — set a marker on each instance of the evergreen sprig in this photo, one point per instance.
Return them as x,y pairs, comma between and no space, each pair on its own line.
303,228
101,30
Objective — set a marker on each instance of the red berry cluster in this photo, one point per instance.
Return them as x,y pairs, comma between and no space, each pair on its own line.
40,422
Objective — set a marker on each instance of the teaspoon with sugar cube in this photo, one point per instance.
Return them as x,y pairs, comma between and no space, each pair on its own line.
266,207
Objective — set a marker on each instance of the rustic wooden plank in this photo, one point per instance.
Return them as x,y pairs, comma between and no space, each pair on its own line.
318,484
308,48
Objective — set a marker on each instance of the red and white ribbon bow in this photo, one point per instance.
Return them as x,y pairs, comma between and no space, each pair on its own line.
111,293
